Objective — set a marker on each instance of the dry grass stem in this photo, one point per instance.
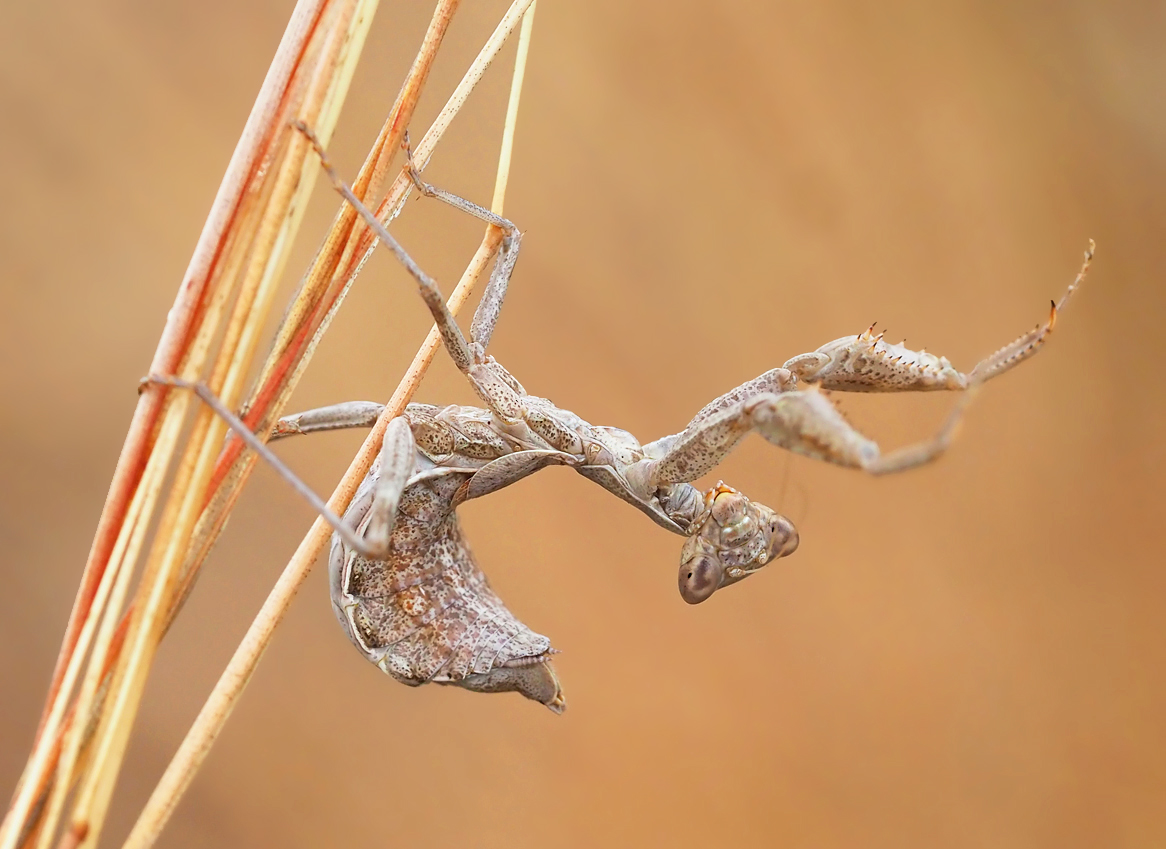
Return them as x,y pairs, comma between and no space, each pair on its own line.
213,716
214,328
257,249
227,691
504,156
224,296
119,576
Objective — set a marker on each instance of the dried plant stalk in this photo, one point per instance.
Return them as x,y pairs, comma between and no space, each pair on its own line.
397,121
177,522
230,282
117,576
211,719
242,245
261,242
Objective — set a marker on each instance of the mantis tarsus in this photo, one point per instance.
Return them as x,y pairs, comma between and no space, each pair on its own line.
404,584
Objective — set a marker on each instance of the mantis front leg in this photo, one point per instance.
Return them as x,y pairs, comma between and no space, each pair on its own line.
806,422
865,363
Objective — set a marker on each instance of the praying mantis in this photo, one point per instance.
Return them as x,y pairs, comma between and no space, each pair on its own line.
404,584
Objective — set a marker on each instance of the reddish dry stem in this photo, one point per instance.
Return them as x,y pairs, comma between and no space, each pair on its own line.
186,315
181,323
356,240
255,147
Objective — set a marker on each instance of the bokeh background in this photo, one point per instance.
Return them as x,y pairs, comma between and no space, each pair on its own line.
968,655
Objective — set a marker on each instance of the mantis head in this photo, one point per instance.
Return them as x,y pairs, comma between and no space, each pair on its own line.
731,540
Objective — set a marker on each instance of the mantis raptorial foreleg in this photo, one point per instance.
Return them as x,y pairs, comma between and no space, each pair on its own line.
775,381
807,423
865,363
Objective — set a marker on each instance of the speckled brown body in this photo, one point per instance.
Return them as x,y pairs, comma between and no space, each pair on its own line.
427,613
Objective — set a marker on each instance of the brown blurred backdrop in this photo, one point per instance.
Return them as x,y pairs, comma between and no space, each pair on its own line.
969,655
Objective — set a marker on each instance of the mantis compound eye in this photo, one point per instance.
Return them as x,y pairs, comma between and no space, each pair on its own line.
699,578
783,537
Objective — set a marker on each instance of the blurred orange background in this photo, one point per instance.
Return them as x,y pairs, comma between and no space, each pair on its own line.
968,655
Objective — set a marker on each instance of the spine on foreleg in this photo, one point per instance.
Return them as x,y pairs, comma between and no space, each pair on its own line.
865,363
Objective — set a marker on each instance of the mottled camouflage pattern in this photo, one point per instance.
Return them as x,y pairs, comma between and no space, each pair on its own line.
427,612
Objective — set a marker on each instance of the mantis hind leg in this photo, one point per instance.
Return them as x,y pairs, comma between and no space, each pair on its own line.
492,383
490,307
394,453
